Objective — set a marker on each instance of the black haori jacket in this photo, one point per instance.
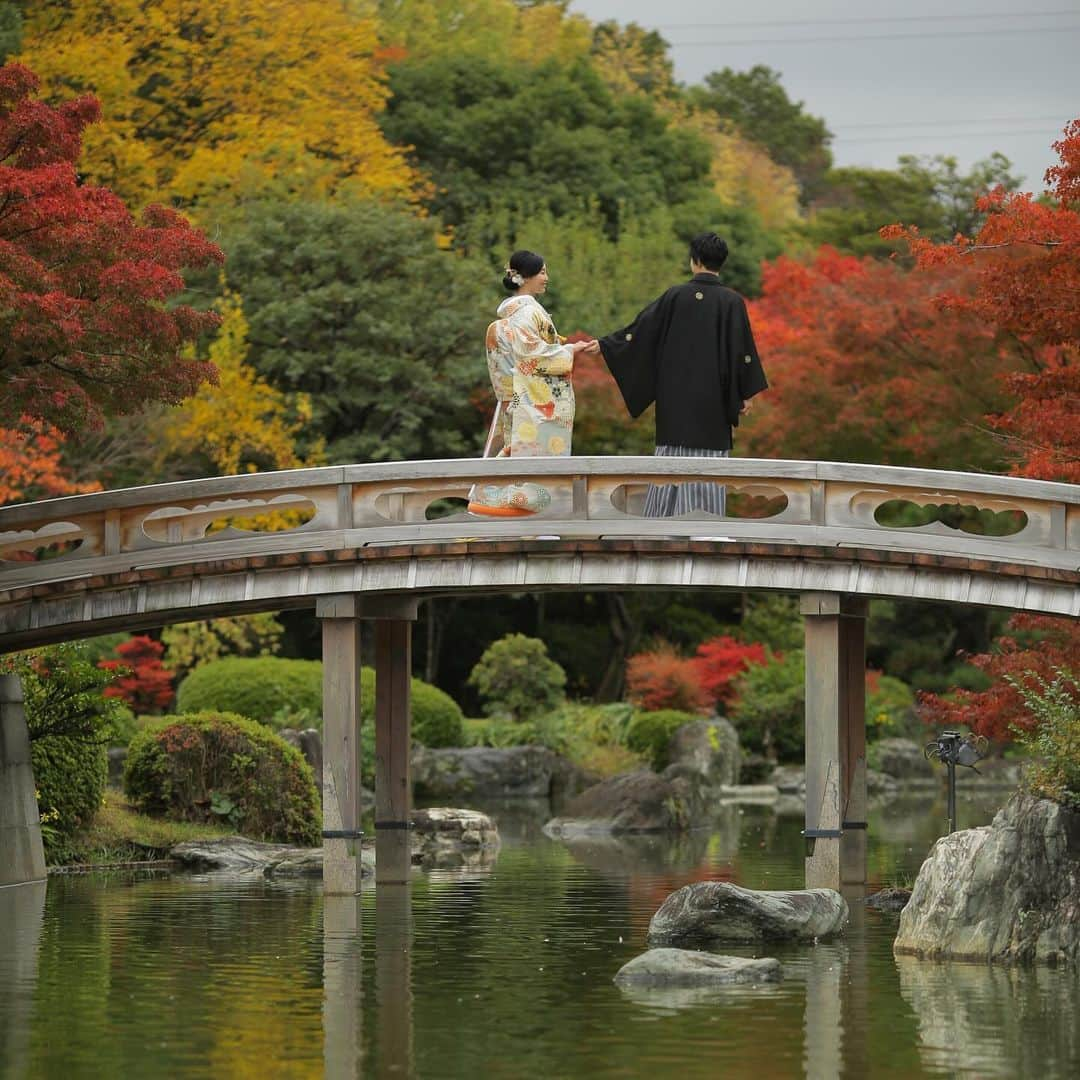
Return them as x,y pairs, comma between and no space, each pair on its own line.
692,352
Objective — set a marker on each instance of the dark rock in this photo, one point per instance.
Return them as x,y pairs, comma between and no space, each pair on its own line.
489,772
631,803
709,749
1007,892
889,899
710,911
755,769
902,759
686,967
789,779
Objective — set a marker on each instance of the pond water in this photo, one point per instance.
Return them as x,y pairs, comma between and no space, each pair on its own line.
503,972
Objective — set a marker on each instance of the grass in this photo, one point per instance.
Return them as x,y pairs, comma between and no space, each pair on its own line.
120,834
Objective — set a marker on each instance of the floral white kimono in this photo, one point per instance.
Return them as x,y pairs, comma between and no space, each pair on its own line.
530,371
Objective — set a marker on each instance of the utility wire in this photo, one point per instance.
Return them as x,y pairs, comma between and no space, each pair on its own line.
919,136
1071,12
874,37
965,121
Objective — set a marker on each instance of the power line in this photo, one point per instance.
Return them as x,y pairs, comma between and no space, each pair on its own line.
874,37
967,120
1070,12
918,135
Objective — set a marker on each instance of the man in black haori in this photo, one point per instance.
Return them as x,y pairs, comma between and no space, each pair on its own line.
692,352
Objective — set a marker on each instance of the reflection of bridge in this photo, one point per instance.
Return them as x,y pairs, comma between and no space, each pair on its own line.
363,549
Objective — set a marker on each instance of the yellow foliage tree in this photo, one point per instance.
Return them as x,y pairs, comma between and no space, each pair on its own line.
527,34
243,424
206,98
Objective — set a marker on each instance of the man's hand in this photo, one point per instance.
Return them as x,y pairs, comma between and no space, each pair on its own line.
590,347
746,407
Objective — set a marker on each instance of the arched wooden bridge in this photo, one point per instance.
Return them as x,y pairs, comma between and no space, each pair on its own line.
363,548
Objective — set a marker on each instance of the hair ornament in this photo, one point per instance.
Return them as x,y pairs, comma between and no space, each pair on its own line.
514,276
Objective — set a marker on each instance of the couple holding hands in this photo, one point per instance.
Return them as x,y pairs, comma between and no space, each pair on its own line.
691,351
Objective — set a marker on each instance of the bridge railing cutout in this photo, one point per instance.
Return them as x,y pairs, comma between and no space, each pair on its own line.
422,501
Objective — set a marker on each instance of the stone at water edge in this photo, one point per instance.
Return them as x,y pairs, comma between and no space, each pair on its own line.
902,759
710,748
687,967
444,835
1007,892
706,912
636,802
493,772
891,899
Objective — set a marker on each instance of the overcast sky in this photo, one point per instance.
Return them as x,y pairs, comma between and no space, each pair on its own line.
890,78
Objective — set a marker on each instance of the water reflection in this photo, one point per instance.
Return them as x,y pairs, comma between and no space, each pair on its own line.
22,913
994,1021
393,980
501,973
342,987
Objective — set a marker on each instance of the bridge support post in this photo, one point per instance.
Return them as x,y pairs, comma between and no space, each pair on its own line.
22,856
835,627
341,743
393,736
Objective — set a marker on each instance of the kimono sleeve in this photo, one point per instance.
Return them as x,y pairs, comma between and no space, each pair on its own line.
632,354
748,376
534,355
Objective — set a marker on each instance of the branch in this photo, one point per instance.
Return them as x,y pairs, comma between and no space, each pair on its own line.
1009,243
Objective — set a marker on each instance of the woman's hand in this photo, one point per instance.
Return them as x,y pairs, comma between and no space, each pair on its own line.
591,346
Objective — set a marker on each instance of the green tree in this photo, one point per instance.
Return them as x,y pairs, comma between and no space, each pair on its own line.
929,192
490,132
516,676
757,105
358,305
10,30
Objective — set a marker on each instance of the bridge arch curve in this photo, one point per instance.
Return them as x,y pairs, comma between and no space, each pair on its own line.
166,553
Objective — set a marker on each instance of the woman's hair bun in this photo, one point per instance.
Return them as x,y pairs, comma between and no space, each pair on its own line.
522,266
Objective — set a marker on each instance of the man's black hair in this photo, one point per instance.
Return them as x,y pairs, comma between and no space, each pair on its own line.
709,251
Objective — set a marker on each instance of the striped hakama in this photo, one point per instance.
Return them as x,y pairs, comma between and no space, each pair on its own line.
699,496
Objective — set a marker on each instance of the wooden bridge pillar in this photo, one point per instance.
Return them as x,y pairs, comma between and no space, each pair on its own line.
22,857
835,626
340,617
393,736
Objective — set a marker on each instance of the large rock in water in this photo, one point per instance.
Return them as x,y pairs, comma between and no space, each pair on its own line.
444,836
711,911
637,802
686,967
1007,892
490,772
709,749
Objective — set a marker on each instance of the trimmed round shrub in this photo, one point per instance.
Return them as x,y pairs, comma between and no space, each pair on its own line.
288,693
263,688
220,767
70,774
649,734
516,677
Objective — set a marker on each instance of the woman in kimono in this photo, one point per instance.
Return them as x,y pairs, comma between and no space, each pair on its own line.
530,368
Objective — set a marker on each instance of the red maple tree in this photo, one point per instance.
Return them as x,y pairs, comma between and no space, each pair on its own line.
1022,281
720,660
86,328
144,682
31,466
1021,277
865,365
662,679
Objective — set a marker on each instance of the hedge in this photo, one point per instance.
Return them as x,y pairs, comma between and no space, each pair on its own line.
263,688
220,767
288,693
70,774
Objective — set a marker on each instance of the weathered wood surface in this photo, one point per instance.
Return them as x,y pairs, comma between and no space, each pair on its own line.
148,555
